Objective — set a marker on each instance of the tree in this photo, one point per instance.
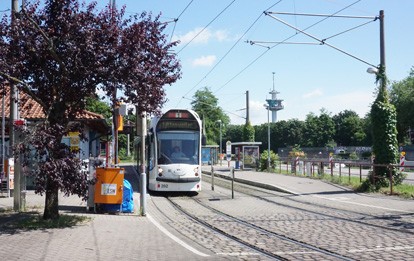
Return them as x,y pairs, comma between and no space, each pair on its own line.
348,129
248,132
402,97
206,105
384,132
64,51
319,130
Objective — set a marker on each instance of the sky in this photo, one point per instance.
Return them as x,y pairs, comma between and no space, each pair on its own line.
215,51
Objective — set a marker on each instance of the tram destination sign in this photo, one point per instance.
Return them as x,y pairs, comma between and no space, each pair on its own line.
177,125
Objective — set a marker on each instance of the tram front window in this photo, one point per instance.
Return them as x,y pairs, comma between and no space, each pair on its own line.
178,147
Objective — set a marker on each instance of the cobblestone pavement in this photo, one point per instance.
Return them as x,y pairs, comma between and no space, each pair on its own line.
360,226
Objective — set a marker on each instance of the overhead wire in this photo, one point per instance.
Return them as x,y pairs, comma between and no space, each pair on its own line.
288,38
231,48
205,27
176,19
212,105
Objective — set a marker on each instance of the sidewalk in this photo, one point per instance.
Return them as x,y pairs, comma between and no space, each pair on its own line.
302,186
122,236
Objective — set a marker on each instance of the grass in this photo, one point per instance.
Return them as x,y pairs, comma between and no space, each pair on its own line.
354,183
34,221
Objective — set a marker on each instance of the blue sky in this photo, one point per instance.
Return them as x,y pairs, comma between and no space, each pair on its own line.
308,77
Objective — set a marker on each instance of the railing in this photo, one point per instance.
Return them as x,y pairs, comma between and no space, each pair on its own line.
314,167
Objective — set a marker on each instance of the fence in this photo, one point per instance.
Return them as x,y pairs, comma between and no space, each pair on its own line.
314,167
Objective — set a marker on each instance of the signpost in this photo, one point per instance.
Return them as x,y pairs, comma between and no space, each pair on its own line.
228,152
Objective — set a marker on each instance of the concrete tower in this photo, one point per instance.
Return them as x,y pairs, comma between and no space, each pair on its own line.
274,104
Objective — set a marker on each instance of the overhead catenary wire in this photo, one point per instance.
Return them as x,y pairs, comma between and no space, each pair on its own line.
322,41
231,48
212,105
176,19
288,38
205,27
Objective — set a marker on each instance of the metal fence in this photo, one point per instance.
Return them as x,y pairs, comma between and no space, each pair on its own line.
318,167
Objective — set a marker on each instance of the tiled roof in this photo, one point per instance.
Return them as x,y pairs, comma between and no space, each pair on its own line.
29,109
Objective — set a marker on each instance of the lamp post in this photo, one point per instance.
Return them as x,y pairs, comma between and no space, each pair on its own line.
220,122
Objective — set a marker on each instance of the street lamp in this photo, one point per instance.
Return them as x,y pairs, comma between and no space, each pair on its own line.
220,122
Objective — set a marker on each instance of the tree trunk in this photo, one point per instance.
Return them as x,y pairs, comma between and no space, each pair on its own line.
51,210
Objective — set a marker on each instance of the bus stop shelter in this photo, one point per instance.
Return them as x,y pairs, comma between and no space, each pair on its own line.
209,154
247,154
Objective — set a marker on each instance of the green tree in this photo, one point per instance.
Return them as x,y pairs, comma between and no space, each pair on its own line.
384,132
206,105
234,133
402,97
94,104
319,130
349,129
248,132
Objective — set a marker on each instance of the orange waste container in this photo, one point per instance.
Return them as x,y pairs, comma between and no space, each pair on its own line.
109,185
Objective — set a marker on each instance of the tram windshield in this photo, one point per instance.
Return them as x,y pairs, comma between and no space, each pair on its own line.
178,147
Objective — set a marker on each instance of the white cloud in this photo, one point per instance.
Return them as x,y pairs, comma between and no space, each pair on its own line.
203,37
315,93
204,60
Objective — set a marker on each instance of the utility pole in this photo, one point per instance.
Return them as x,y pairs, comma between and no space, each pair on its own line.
17,203
382,47
247,107
115,110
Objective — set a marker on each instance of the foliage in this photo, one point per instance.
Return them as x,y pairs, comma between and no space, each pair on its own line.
93,104
248,132
348,129
234,133
274,158
296,151
402,97
206,105
384,133
64,50
319,130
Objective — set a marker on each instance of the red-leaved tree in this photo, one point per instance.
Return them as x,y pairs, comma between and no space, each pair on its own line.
59,55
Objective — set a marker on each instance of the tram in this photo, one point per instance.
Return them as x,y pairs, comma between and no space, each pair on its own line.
174,151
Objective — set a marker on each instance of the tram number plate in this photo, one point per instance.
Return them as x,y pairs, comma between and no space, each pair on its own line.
165,186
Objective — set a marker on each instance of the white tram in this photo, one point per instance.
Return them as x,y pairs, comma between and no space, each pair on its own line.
174,151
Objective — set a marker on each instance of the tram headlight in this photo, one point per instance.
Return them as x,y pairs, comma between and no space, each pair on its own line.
196,171
160,172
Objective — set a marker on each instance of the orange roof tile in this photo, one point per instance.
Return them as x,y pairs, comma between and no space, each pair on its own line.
29,109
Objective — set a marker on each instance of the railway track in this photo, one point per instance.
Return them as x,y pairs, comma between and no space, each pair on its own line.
268,243
387,222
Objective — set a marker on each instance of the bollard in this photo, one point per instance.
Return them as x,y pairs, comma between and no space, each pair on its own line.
212,177
143,202
232,182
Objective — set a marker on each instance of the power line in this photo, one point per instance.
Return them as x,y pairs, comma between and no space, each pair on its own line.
176,20
231,48
288,38
205,27
212,106
323,42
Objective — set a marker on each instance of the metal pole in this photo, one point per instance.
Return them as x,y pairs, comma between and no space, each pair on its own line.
221,148
12,118
247,108
268,141
382,43
232,182
212,170
3,140
143,170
